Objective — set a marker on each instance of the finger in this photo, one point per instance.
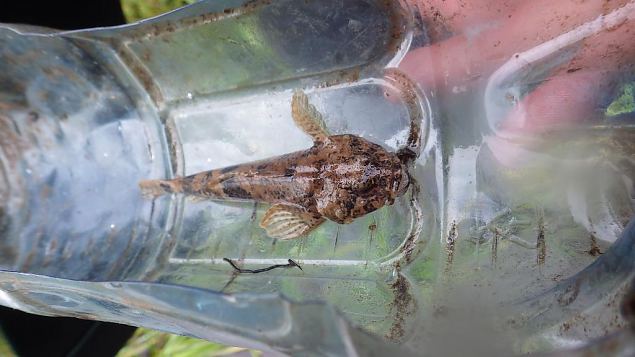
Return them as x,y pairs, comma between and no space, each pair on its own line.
576,92
438,65
459,61
572,95
458,15
560,101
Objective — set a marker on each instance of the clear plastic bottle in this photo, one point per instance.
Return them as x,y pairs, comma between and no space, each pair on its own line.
522,231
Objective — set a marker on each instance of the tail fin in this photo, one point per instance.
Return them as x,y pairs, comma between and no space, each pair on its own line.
156,188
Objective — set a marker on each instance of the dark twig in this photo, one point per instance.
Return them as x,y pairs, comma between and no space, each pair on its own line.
290,264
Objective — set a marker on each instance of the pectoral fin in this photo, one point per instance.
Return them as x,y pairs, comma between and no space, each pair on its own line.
287,222
307,117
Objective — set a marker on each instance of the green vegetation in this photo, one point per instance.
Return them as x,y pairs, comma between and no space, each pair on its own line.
158,344
5,347
624,103
135,10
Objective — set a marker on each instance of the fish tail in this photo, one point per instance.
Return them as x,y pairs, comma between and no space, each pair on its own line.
156,188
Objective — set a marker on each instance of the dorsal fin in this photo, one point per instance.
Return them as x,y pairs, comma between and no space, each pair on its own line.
307,117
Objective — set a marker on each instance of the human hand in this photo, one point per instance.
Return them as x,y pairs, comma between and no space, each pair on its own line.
485,34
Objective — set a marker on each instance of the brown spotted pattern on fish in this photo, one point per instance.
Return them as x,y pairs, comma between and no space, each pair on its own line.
341,177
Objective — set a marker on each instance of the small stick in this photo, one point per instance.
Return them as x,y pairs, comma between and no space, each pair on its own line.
290,264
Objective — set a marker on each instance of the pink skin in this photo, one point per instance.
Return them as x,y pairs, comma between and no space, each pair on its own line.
487,33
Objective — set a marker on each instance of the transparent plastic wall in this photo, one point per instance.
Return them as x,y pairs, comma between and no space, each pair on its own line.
514,236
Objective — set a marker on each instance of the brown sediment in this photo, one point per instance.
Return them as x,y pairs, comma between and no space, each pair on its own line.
410,243
337,237
140,71
398,27
34,116
172,139
494,254
254,212
410,97
627,305
372,228
595,249
26,265
344,76
449,247
8,251
403,304
147,31
248,7
302,245
117,266
11,144
54,72
434,21
541,244
570,293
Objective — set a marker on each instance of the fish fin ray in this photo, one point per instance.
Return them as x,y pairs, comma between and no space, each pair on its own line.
308,118
288,222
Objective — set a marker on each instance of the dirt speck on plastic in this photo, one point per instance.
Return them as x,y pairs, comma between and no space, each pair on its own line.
595,249
449,247
403,305
541,244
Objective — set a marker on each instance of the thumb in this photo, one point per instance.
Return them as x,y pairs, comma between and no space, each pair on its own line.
561,101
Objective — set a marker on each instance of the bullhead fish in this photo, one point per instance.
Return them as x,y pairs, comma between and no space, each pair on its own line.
341,177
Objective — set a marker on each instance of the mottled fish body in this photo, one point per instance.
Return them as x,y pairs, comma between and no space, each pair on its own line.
341,177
